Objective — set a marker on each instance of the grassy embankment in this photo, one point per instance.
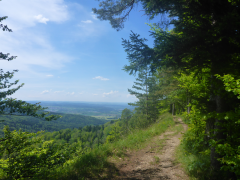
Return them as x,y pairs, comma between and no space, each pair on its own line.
94,164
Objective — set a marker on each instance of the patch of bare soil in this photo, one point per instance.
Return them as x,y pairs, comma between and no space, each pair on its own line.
156,161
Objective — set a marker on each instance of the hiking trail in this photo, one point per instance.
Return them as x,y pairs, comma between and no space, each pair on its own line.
157,160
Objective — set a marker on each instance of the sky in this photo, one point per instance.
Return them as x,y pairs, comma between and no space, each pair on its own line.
64,53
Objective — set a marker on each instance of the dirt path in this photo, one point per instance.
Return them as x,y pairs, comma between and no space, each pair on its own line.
157,160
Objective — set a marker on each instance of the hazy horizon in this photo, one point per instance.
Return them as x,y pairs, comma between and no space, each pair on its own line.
76,101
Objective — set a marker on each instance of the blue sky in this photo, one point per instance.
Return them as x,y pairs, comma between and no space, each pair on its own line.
65,53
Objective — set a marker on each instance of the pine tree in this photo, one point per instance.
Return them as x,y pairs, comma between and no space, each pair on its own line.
144,91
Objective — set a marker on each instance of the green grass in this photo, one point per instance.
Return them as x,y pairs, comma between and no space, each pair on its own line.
94,164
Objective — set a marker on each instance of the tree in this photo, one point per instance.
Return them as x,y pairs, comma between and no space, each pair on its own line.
139,54
147,101
117,12
110,9
167,88
201,40
126,115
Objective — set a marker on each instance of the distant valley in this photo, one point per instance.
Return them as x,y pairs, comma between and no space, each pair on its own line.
74,115
100,110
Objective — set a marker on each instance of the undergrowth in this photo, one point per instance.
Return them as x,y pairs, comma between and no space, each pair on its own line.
196,165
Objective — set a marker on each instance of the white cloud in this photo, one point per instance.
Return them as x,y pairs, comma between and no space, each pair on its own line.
32,46
110,93
55,92
45,92
90,28
41,19
95,94
87,22
101,78
24,12
33,50
71,93
49,75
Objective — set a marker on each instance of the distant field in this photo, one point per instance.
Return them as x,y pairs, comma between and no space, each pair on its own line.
98,110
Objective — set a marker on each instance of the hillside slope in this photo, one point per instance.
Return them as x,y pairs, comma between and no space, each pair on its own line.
32,124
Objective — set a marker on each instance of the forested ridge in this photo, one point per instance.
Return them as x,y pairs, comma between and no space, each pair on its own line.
192,70
31,124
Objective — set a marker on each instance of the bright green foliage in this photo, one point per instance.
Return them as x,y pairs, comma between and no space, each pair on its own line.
194,138
139,120
114,134
21,159
126,114
195,84
231,85
197,141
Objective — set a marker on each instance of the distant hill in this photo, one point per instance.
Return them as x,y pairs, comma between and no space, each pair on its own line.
96,109
31,124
